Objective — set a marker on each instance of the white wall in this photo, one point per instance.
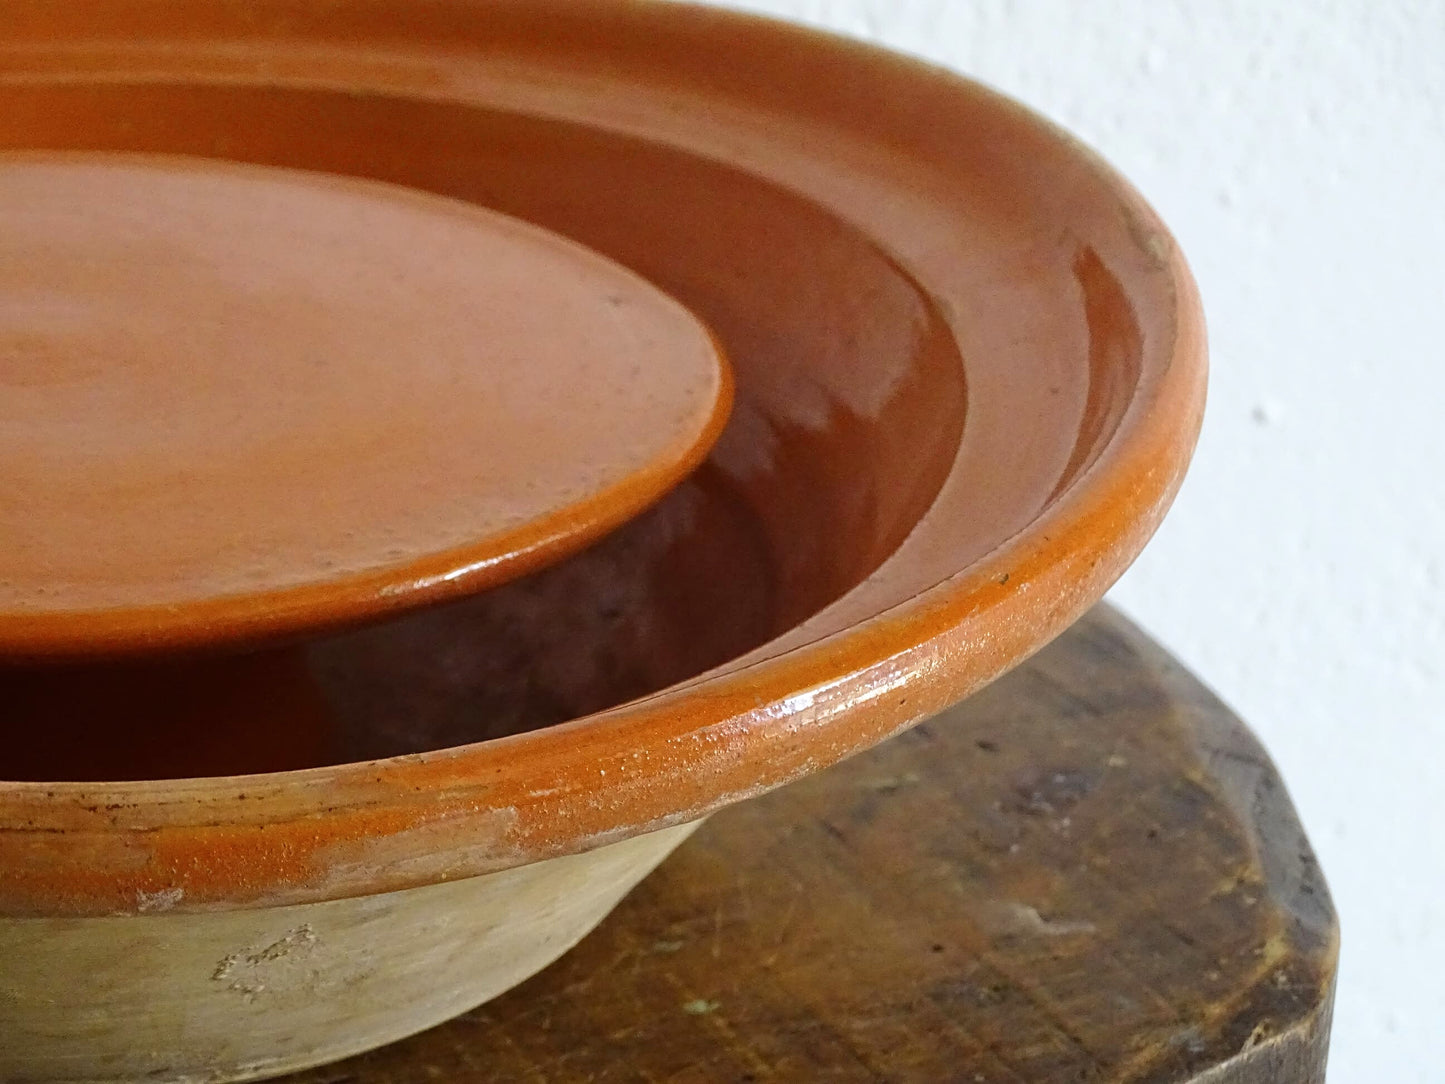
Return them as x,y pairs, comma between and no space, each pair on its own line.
1298,152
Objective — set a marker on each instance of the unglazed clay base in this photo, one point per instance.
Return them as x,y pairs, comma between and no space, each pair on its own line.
236,995
242,400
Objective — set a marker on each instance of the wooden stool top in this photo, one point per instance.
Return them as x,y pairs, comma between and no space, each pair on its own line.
1089,871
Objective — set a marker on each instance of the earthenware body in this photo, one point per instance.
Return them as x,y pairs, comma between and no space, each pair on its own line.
969,373
246,993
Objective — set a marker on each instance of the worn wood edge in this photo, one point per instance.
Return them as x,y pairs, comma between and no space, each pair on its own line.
1246,779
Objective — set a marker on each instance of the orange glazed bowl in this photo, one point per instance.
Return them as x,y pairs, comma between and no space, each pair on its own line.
969,373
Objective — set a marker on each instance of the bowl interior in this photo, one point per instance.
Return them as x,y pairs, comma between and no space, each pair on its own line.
849,414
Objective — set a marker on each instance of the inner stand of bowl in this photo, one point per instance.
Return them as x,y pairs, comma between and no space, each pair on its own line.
849,414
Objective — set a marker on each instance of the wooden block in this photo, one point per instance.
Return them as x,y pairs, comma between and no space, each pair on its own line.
1088,872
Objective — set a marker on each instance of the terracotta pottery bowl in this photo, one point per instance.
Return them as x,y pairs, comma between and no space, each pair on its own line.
969,372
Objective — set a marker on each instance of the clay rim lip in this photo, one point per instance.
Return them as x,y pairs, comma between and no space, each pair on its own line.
937,646
256,619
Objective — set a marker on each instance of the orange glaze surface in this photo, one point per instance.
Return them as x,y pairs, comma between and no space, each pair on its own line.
238,400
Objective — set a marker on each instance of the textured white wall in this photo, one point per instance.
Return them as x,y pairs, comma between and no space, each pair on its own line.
1298,152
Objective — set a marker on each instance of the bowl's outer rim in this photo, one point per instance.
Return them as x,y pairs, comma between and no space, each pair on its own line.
673,757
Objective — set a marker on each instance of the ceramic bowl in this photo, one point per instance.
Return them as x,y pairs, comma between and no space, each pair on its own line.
969,370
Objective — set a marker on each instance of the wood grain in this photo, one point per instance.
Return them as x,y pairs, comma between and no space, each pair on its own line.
1088,872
